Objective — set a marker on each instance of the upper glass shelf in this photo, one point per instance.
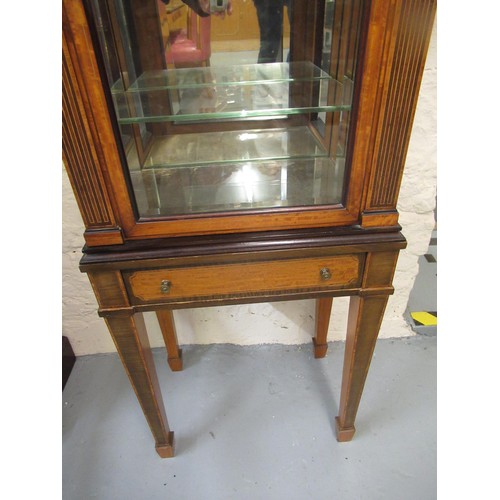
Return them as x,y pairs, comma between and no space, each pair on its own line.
237,92
246,74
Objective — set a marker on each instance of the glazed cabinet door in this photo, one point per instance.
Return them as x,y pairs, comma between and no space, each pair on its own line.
202,127
230,136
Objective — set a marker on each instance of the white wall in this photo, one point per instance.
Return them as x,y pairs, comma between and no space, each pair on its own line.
280,322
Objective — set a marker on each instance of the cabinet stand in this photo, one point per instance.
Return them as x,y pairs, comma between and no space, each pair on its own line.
126,285
178,214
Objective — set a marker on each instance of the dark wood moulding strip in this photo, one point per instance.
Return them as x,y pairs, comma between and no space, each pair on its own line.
355,240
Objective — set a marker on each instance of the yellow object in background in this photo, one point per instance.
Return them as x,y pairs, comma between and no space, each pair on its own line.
425,318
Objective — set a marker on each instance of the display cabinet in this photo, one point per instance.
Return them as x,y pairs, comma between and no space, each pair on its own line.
236,175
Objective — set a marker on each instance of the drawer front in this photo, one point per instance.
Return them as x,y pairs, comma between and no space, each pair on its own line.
243,279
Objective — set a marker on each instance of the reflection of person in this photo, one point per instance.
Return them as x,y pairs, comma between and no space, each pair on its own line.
270,17
202,7
205,6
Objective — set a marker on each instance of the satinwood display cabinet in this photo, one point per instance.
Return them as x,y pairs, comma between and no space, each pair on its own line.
218,172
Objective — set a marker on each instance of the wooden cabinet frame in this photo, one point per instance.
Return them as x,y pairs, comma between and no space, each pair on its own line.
364,227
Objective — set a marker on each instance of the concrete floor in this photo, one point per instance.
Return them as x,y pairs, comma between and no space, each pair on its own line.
255,423
423,297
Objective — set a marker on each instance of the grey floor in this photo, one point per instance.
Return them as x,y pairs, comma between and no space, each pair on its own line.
423,297
255,423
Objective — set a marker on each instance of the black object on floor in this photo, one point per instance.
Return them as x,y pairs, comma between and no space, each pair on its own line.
68,360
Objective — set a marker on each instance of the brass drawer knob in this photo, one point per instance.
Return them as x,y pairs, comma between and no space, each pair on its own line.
325,274
165,286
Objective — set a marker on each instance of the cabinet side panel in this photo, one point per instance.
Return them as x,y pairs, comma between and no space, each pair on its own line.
82,146
80,157
412,28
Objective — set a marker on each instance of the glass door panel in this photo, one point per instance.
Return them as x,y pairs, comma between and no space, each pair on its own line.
218,115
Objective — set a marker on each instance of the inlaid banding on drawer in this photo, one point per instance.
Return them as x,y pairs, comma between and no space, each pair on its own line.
166,285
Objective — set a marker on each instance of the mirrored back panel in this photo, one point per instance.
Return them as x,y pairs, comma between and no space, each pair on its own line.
226,106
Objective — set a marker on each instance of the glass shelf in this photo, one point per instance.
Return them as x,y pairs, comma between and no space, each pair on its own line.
229,147
235,75
202,104
236,92
238,187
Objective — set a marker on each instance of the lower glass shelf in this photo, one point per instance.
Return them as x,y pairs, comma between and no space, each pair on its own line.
238,187
229,147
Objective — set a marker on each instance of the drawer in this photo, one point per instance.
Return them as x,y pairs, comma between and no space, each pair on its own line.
243,279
